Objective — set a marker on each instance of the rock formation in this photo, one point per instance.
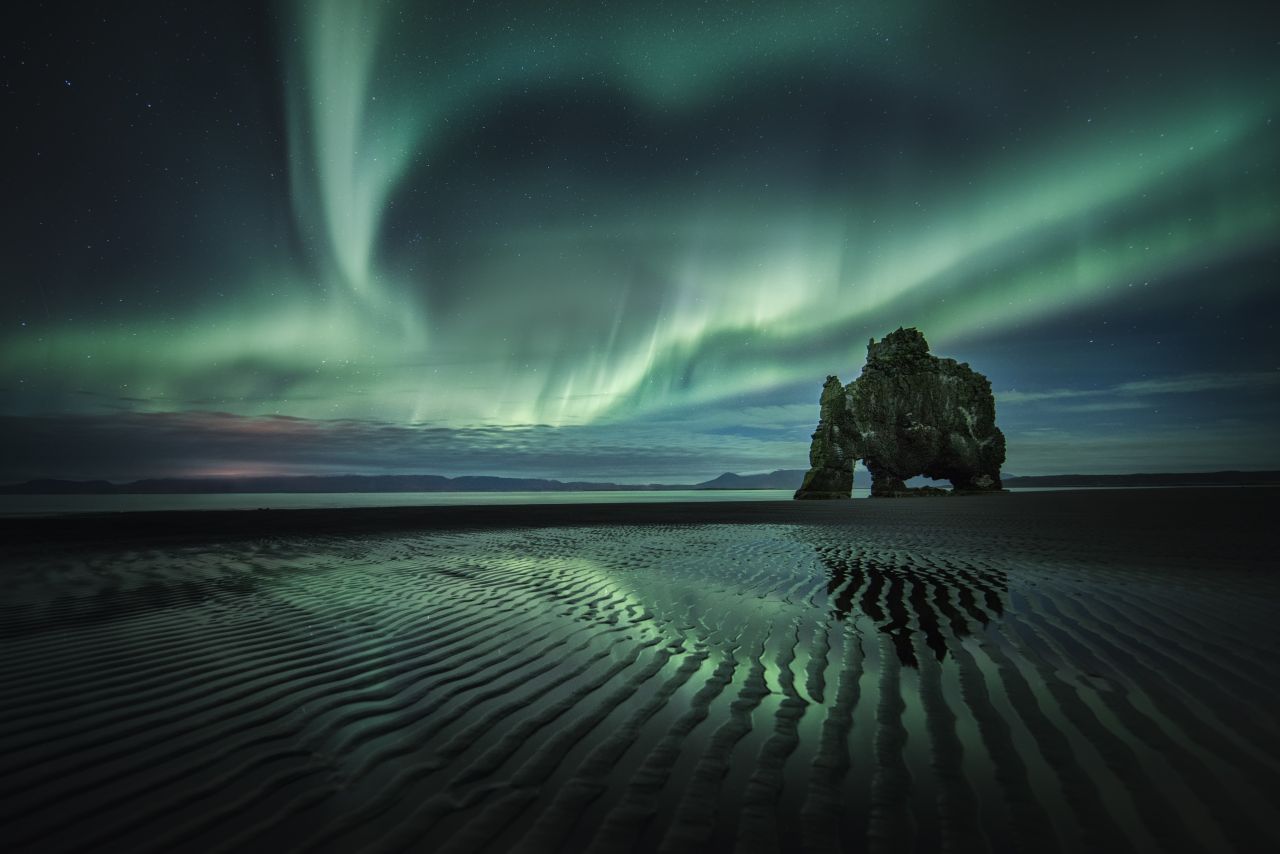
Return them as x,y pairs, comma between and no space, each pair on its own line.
909,413
831,463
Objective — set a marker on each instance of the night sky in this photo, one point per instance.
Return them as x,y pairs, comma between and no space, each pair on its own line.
629,240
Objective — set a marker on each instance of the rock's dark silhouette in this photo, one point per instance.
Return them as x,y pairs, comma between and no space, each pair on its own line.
830,456
909,413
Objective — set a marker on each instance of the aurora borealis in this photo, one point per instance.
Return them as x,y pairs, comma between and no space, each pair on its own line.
629,240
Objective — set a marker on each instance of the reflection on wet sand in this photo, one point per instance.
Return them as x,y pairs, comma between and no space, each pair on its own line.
691,687
878,590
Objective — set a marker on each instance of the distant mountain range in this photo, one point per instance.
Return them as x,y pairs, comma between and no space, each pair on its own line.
1199,478
780,479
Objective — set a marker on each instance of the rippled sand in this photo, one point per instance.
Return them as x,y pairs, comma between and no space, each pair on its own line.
1034,672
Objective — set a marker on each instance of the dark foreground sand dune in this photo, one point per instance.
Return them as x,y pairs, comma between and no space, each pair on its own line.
1040,672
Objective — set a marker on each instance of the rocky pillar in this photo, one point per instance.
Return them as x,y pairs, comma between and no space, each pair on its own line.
830,456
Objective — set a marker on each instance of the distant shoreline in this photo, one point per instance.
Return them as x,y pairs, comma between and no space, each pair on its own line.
1162,507
1217,478
780,479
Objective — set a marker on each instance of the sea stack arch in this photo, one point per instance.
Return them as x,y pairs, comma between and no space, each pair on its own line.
909,413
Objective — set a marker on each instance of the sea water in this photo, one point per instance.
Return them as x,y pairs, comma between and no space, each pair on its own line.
52,505
55,505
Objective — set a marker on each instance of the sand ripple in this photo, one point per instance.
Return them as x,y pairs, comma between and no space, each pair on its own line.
610,689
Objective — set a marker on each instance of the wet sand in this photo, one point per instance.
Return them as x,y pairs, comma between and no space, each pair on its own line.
1038,672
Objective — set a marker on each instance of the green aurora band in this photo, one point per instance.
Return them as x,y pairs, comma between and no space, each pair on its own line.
746,288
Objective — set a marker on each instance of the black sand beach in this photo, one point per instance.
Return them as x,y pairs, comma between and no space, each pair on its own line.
1057,671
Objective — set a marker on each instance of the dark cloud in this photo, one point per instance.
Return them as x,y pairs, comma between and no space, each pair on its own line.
126,446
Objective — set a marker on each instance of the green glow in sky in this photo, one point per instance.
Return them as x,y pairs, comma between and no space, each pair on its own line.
1026,244
596,216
